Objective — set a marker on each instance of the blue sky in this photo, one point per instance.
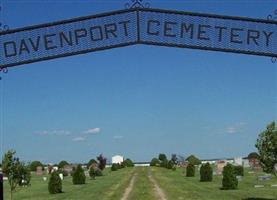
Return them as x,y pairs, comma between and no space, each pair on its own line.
135,101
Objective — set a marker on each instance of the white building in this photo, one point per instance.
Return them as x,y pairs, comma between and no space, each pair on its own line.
117,159
238,161
142,164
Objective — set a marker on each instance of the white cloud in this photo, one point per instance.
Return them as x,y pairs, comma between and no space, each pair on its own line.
53,133
78,139
231,130
239,127
117,137
92,131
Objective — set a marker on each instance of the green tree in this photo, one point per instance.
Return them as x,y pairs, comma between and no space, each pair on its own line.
206,173
25,175
62,164
193,160
164,163
102,161
229,181
13,169
154,162
92,161
190,172
174,159
267,147
253,155
128,163
162,157
170,164
92,172
34,165
55,183
79,176
115,167
239,170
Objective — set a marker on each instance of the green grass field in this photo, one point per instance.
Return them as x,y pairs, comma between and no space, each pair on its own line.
143,189
173,183
178,187
108,187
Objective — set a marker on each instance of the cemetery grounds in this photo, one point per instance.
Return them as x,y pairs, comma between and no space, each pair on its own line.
149,183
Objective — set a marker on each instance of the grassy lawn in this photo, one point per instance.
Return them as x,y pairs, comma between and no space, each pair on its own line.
178,187
174,184
143,189
109,187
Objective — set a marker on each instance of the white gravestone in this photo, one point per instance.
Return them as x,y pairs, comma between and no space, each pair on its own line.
61,176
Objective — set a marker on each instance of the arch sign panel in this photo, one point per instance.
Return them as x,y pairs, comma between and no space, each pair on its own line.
138,26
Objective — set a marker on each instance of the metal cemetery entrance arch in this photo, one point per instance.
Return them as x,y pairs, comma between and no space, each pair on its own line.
138,25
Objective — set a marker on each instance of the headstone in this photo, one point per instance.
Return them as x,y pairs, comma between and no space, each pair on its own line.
86,173
61,176
49,169
199,167
275,167
68,168
258,186
39,171
5,178
239,178
275,185
219,167
44,178
24,183
264,178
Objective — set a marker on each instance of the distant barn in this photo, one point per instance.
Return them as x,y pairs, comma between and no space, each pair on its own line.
117,159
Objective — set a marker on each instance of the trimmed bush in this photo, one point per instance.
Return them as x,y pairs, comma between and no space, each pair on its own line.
154,162
98,172
114,167
238,170
128,163
190,170
55,183
94,171
174,168
170,164
229,181
164,163
34,165
92,161
79,176
206,173
193,160
62,164
162,157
